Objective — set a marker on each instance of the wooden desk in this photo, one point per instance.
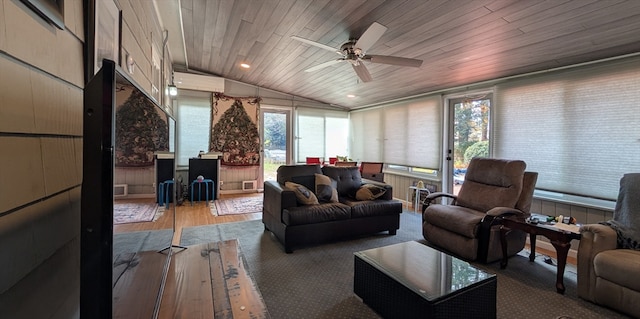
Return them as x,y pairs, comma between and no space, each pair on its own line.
211,281
560,239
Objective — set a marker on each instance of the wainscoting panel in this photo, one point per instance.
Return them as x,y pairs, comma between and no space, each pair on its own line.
140,181
232,177
401,184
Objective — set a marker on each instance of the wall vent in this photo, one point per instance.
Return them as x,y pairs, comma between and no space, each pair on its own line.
120,190
249,185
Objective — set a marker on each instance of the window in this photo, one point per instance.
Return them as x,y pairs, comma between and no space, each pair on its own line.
321,133
194,125
408,133
579,129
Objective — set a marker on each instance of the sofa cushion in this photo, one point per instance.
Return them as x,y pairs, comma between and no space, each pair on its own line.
348,178
312,214
618,266
287,173
369,192
326,189
460,220
369,208
308,181
303,194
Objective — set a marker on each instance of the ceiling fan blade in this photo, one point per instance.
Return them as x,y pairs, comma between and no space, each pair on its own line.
362,72
394,60
314,43
370,36
323,65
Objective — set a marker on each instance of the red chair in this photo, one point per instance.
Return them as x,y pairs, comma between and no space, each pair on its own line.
314,160
333,160
372,170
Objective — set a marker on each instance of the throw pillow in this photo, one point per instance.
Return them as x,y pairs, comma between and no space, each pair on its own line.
369,192
303,194
326,189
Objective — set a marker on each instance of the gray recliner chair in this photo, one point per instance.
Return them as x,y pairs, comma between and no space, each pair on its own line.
609,254
469,225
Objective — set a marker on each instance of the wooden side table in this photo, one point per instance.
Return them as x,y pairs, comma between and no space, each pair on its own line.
560,239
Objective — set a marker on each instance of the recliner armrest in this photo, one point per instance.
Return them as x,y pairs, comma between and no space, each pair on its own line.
433,196
505,211
595,239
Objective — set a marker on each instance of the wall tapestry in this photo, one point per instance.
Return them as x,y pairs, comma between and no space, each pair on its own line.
141,129
234,130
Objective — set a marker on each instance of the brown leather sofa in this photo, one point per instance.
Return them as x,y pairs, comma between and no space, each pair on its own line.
296,225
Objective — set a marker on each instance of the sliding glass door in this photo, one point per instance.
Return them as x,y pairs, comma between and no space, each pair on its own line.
276,139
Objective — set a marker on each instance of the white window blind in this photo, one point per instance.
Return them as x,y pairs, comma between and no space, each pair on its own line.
321,133
366,135
194,117
411,132
579,129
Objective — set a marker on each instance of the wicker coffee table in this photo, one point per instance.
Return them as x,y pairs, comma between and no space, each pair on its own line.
412,280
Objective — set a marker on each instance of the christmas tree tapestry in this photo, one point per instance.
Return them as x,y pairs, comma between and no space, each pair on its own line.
141,130
234,131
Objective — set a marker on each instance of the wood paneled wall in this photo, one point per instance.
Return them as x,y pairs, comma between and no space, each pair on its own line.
41,100
41,83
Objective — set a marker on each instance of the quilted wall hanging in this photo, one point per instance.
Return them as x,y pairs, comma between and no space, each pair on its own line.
234,130
141,129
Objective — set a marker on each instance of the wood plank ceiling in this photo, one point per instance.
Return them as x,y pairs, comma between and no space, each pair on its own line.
461,42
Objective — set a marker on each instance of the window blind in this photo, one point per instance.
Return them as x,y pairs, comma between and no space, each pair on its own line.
194,126
366,136
410,133
579,129
321,133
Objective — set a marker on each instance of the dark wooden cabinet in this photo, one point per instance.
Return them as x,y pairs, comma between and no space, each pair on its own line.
164,172
209,169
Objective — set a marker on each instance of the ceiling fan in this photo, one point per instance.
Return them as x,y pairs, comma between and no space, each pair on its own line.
354,52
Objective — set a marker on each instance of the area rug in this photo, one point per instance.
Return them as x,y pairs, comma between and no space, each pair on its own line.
317,281
239,205
133,212
133,242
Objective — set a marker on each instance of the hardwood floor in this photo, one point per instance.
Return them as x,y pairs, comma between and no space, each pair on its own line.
186,295
187,215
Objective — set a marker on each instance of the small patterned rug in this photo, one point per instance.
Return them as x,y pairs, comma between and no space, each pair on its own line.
125,212
240,205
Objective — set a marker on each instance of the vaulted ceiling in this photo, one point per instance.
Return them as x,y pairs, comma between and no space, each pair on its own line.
460,42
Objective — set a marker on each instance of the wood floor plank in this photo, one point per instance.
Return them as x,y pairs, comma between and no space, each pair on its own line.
143,274
243,294
187,292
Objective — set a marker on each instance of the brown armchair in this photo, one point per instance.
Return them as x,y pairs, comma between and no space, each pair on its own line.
609,255
467,226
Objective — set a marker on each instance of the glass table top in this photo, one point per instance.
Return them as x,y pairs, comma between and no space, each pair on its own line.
428,272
